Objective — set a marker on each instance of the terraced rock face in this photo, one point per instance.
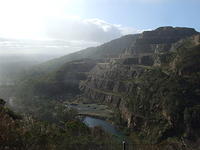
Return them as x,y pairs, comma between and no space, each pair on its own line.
153,99
111,81
160,39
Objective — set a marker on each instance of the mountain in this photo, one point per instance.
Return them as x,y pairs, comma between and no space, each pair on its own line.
43,79
107,50
156,90
161,38
151,80
143,45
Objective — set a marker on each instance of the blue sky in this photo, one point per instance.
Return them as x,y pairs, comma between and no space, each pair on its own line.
145,14
65,26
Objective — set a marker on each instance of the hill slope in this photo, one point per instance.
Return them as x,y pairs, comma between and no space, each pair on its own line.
157,100
107,50
61,84
22,133
46,74
154,84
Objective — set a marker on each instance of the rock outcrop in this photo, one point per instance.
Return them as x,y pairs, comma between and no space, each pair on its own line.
156,87
160,39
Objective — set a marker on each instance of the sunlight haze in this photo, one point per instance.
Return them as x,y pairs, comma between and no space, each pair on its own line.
86,22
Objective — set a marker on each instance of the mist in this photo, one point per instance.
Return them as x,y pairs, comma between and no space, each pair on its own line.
12,65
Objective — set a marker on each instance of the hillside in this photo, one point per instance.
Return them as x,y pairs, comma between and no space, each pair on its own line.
50,78
107,50
12,66
116,47
60,84
152,83
156,93
25,132
46,75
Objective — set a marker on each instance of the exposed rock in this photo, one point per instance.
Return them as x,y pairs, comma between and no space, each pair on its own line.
147,60
160,39
149,88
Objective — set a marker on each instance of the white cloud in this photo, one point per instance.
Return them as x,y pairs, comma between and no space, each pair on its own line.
75,28
46,19
66,35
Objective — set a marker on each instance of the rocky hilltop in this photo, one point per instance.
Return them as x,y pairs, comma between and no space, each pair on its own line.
154,84
160,39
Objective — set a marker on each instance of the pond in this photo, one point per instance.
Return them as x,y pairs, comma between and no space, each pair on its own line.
106,126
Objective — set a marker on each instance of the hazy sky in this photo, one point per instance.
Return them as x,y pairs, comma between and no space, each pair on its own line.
64,26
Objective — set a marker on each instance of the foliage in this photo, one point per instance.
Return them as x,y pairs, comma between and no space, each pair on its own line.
45,109
28,133
167,104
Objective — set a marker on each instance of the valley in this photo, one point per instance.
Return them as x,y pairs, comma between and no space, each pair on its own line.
145,84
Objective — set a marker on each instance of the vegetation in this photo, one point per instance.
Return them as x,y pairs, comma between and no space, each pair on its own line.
167,105
160,103
27,133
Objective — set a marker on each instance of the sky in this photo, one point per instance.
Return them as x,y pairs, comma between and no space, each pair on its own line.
65,26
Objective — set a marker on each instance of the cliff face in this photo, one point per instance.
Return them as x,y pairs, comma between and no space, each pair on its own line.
156,88
160,39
